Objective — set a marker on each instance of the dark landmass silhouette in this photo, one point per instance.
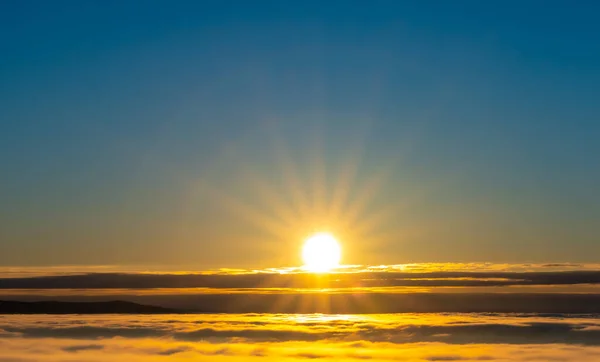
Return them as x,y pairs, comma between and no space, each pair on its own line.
55,307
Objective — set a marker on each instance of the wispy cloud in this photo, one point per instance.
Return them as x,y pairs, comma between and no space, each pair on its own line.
382,276
32,271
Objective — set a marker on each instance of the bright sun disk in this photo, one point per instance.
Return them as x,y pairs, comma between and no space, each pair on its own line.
321,253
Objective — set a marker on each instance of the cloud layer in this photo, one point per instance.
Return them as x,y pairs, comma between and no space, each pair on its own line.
356,279
451,287
391,328
409,337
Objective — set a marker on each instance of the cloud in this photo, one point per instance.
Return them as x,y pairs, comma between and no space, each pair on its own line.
359,302
424,274
155,350
294,338
357,331
364,279
176,350
83,347
23,271
445,358
427,287
310,355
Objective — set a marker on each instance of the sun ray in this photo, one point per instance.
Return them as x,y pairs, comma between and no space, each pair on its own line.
319,177
364,196
302,193
289,171
267,192
345,180
247,212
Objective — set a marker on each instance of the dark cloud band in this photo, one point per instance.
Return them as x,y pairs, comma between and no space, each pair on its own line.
301,280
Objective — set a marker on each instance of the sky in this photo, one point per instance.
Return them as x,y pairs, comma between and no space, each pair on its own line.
212,134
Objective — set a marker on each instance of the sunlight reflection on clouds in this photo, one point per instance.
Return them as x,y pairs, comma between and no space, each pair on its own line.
17,272
281,337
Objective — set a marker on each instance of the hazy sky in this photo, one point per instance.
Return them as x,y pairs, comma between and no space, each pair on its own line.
220,133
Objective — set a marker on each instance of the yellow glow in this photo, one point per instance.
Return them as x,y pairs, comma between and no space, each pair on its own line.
321,253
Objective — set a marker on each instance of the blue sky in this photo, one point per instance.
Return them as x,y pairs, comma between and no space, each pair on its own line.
482,116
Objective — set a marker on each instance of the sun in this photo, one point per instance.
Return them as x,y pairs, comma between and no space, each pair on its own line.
321,253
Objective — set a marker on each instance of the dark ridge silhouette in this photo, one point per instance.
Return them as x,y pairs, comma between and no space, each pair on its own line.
53,307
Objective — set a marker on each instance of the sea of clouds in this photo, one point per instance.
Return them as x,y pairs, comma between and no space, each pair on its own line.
296,337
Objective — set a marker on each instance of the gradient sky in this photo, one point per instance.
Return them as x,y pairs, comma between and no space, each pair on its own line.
175,133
